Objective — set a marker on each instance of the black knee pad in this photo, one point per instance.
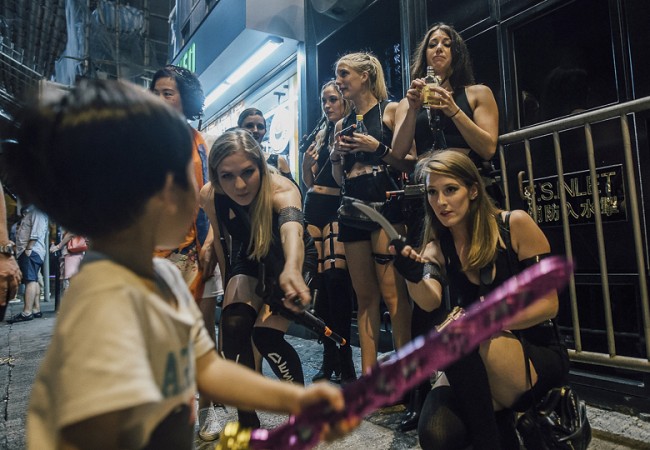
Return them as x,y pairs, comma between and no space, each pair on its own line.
237,320
280,355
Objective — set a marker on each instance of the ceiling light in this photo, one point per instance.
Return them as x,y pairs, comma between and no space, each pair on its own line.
260,55
269,46
216,93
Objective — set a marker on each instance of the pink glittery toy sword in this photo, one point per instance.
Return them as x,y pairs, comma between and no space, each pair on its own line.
409,366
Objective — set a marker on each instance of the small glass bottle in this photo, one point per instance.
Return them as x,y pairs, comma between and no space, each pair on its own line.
432,81
361,127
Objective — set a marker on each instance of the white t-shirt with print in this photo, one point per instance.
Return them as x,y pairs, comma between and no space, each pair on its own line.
117,346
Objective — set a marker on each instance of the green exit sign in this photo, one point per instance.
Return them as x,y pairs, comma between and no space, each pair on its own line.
188,60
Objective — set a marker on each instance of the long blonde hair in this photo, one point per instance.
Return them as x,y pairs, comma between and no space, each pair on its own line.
240,140
326,125
367,62
483,228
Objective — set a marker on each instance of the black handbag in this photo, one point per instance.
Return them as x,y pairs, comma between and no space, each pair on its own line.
557,421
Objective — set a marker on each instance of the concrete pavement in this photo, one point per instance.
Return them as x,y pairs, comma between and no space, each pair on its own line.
23,345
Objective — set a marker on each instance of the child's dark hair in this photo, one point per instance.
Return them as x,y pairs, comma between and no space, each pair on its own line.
93,159
189,88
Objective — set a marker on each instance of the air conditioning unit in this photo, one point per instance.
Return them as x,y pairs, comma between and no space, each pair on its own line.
342,10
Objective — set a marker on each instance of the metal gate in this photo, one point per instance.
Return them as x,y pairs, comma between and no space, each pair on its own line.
543,195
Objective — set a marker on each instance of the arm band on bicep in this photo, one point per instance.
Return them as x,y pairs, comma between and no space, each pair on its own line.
290,214
433,271
528,262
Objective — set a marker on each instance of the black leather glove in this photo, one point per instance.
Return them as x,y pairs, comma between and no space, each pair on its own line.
409,268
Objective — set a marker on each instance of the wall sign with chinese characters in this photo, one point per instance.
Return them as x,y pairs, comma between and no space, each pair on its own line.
578,187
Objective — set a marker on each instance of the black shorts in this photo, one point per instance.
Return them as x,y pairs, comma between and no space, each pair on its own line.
370,187
321,209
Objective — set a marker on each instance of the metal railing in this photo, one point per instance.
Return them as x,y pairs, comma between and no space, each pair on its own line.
585,120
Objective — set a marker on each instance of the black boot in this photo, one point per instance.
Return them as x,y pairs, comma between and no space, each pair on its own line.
416,400
507,431
330,369
348,373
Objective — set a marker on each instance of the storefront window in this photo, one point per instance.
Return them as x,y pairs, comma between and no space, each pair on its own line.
278,102
564,61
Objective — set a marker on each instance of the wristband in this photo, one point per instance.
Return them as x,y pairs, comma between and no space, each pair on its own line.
457,111
432,270
381,151
529,262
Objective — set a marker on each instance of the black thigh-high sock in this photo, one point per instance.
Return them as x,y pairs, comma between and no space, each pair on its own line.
339,295
318,293
440,425
322,309
280,355
421,323
322,302
237,320
469,381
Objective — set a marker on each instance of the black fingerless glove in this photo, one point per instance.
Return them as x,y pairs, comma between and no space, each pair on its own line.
409,268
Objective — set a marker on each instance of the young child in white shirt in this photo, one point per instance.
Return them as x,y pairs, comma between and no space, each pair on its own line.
129,349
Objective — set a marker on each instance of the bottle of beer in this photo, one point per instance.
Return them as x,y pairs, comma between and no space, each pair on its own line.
361,128
428,94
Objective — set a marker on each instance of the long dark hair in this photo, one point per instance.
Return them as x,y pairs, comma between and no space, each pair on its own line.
462,73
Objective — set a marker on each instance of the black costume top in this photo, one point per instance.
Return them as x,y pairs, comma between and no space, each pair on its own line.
424,135
324,176
237,226
463,292
373,121
233,217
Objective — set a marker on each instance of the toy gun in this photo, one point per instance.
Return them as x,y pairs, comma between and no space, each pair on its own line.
410,191
307,140
271,293
412,364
